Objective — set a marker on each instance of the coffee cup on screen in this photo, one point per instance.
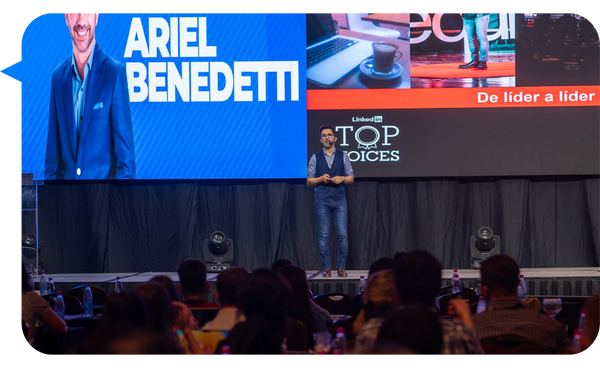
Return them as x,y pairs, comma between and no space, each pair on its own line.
384,57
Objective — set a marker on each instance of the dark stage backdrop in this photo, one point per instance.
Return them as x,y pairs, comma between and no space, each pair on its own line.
147,226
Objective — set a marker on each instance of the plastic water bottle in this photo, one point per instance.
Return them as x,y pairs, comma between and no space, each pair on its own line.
30,280
118,286
87,301
582,320
456,287
51,288
522,288
339,345
481,305
576,345
362,284
43,284
225,350
59,305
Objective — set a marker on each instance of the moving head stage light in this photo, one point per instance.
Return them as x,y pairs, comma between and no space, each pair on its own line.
484,245
218,251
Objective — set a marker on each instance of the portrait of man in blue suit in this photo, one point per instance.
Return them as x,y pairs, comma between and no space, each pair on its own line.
90,134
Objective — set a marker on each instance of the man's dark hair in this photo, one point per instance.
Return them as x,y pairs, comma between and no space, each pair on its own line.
418,277
323,127
416,328
282,262
229,283
192,276
384,263
500,273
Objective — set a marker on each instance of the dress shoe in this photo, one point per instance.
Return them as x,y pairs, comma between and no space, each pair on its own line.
482,65
472,64
342,272
327,272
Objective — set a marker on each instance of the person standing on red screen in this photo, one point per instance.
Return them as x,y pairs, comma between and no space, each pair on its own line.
476,26
330,170
90,134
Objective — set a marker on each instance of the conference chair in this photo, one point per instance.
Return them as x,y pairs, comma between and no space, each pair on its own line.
469,295
335,303
512,344
72,304
99,295
204,315
445,290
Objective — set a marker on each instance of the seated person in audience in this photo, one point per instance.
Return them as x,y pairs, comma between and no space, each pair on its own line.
263,300
34,309
282,262
322,311
277,265
228,285
384,263
193,285
505,313
592,322
121,314
410,330
417,276
298,306
379,302
142,343
162,321
169,285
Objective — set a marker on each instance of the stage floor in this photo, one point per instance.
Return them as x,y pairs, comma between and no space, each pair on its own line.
576,281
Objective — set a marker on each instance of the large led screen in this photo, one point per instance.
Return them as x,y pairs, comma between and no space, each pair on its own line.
530,109
210,96
236,96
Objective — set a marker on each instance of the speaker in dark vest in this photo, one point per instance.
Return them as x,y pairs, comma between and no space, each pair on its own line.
218,252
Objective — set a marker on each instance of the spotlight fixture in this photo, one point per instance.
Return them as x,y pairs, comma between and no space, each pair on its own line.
483,245
218,251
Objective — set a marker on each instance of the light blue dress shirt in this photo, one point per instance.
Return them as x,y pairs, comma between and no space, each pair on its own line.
312,164
79,90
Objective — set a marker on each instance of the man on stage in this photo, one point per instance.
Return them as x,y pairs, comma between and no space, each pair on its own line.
330,170
90,134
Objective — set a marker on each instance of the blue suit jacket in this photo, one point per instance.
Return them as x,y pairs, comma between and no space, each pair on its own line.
105,149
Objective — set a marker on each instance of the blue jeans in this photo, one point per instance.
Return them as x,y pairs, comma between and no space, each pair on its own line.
338,210
476,30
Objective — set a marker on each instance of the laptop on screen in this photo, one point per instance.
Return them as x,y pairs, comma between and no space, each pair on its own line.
330,57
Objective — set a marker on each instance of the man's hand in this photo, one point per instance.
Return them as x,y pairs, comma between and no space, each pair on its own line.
326,178
459,309
338,179
184,317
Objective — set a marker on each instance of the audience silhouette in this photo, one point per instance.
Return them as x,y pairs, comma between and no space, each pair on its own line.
271,311
506,315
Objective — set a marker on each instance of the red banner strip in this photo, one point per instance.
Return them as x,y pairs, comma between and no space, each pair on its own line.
443,98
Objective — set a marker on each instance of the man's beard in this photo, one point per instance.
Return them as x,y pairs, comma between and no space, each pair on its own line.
88,41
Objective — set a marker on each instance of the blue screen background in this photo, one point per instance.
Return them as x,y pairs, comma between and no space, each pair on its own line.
185,140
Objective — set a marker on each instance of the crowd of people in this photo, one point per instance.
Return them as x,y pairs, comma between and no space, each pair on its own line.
271,311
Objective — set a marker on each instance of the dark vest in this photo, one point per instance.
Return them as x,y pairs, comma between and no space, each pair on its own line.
333,191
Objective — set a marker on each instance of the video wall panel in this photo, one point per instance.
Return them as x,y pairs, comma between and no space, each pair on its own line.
232,96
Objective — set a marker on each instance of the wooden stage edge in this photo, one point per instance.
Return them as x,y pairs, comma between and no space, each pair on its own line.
576,281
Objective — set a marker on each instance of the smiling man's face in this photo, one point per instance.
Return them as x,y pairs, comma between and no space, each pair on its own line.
328,138
82,28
